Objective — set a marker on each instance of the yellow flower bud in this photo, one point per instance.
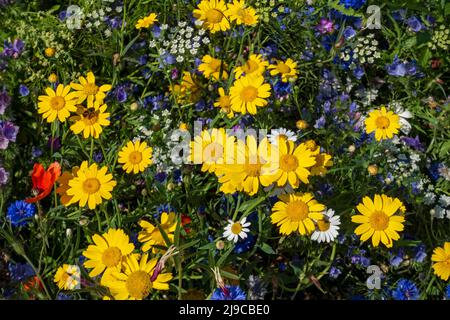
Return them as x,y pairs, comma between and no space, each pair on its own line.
373,169
220,245
183,127
134,106
49,52
53,78
302,124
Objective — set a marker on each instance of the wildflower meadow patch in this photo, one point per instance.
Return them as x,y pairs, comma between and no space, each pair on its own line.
224,150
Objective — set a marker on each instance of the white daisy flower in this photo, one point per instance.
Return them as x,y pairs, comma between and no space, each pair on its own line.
327,229
281,133
234,230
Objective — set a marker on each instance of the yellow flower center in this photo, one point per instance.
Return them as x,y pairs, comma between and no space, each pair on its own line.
382,122
57,103
91,185
297,210
323,225
138,284
236,228
111,257
379,220
224,102
283,68
90,116
135,157
214,16
248,94
253,170
90,89
320,160
250,66
288,163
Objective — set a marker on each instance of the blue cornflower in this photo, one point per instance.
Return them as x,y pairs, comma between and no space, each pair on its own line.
354,4
334,272
447,292
167,208
20,271
62,296
349,32
20,213
230,293
396,259
414,24
160,177
406,290
244,245
23,90
98,156
420,253
433,170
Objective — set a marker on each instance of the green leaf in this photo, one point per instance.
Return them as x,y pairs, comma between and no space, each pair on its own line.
267,249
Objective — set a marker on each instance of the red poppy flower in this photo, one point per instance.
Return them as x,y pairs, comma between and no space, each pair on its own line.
184,221
43,181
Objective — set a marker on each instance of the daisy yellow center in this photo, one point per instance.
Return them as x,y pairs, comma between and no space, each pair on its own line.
236,228
284,68
248,94
323,225
253,170
288,163
91,185
90,117
379,220
138,284
111,257
135,157
90,89
57,103
319,160
383,122
250,66
297,210
214,16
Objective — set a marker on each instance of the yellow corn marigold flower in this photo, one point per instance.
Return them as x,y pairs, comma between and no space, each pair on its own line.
323,162
212,67
287,69
137,280
147,21
239,12
52,77
297,212
87,89
57,104
441,259
212,148
384,123
224,103
151,236
135,156
289,163
67,277
91,185
63,181
378,220
108,251
213,15
49,52
90,121
255,66
248,170
248,93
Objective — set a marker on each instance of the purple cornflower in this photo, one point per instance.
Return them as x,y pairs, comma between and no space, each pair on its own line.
8,133
5,101
4,175
13,49
325,26
413,143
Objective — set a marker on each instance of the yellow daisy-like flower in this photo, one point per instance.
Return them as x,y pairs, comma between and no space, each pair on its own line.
90,121
287,69
147,21
246,175
212,148
297,212
57,104
212,67
67,277
108,251
224,103
137,280
87,89
188,91
213,14
90,185
384,123
151,237
378,220
248,93
255,66
323,162
63,181
289,163
239,12
135,156
441,259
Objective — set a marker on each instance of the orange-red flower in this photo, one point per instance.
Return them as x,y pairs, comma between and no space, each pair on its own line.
43,181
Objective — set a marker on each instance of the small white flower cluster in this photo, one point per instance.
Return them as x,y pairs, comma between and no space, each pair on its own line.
367,96
366,50
182,41
442,208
